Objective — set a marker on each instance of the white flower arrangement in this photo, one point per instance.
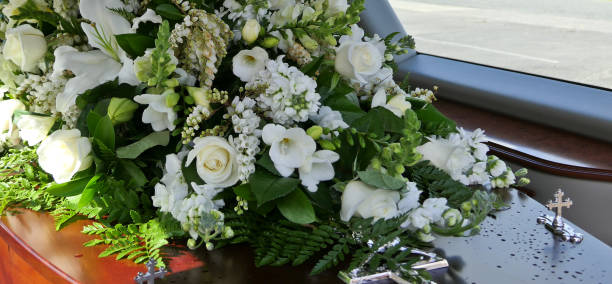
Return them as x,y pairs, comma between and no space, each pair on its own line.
268,116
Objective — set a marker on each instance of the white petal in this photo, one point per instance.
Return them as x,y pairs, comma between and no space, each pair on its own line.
284,171
148,16
108,22
272,133
379,99
90,68
127,74
354,194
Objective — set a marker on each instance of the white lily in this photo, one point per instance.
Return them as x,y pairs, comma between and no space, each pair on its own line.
318,168
96,67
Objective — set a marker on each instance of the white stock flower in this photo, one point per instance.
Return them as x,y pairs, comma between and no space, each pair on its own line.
248,62
290,149
158,113
434,207
329,118
64,153
172,188
397,105
318,168
25,46
358,60
216,162
417,218
452,158
96,67
34,128
362,200
336,6
8,131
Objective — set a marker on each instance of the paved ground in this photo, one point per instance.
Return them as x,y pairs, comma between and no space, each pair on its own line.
566,39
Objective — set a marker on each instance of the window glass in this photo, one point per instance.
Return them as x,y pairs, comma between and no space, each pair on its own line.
563,39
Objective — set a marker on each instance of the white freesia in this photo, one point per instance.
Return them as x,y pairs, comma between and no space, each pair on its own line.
158,113
216,162
358,60
248,62
8,131
318,168
34,128
291,148
452,158
336,6
410,198
64,153
329,118
362,200
172,188
397,105
25,46
96,67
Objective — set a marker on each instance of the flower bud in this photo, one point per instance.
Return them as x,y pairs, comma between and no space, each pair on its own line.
376,164
523,182
250,31
331,40
308,42
399,169
426,229
199,96
172,98
209,246
451,216
191,244
315,132
327,145
521,172
121,110
424,237
269,42
228,233
466,206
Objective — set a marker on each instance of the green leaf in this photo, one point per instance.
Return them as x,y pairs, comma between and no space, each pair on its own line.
266,162
90,191
244,191
190,173
296,207
105,132
135,216
434,122
71,188
380,180
135,44
92,121
379,120
129,171
134,150
267,187
170,12
103,153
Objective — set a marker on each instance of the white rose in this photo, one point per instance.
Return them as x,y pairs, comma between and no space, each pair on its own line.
8,131
291,148
451,158
216,161
34,128
362,200
397,105
250,31
336,6
158,113
64,153
247,63
356,59
25,46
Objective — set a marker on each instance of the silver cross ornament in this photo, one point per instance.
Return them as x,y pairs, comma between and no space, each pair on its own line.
556,224
151,274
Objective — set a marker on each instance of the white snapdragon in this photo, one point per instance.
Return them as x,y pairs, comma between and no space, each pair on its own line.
34,128
172,188
359,60
157,113
329,118
64,153
410,198
248,62
285,93
290,148
397,105
216,161
8,131
336,6
25,46
362,200
318,168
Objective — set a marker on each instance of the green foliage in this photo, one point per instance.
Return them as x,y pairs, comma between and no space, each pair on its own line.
138,242
169,11
135,44
434,122
22,182
30,11
380,180
379,121
134,150
437,183
123,13
71,188
267,187
297,208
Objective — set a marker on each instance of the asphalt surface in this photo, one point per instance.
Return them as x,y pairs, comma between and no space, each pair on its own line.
565,39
